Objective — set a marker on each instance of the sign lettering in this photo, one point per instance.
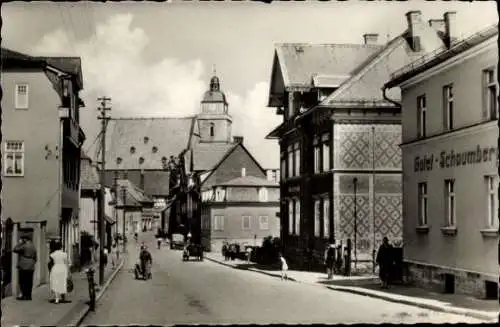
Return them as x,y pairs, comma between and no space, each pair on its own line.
450,159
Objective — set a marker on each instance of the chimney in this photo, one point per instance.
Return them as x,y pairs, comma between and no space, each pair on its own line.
438,25
450,24
370,38
414,20
243,172
238,139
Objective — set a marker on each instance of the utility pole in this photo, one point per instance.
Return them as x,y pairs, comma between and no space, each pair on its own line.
102,228
124,199
355,182
115,189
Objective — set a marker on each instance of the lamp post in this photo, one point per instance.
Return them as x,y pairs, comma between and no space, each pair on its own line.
355,184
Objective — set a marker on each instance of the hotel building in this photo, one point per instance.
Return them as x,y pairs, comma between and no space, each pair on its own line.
450,166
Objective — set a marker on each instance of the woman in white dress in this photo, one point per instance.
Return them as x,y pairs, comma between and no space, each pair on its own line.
284,267
59,273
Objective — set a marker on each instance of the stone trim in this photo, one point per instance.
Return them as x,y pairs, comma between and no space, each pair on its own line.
489,232
449,231
423,229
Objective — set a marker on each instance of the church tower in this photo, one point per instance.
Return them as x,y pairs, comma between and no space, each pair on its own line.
214,121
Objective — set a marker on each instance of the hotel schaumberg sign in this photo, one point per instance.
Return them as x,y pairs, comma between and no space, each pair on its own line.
452,158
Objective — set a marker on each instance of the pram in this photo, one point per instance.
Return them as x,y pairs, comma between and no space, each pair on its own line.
143,271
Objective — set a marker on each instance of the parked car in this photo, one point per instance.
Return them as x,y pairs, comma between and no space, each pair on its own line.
177,242
193,250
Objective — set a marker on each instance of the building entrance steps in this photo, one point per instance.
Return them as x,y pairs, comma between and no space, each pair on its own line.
370,286
41,312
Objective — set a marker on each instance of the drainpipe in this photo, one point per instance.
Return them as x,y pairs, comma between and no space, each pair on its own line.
384,89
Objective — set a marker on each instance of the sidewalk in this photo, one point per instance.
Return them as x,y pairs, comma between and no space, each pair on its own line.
370,286
41,312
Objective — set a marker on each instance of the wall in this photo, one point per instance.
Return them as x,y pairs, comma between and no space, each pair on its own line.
231,168
468,249
88,213
372,154
251,194
36,195
467,94
222,128
233,224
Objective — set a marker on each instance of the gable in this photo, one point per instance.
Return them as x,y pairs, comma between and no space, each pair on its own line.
230,167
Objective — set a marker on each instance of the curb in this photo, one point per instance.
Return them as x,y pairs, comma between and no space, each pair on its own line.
83,312
462,312
251,269
456,311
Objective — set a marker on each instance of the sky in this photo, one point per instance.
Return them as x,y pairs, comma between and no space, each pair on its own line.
156,58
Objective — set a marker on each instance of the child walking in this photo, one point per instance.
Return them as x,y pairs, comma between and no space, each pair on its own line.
284,268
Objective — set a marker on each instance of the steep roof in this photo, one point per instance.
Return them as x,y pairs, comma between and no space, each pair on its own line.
170,136
207,155
249,181
300,62
89,175
134,196
441,55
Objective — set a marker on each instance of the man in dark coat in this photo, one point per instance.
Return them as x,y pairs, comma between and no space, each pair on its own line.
27,258
384,261
330,260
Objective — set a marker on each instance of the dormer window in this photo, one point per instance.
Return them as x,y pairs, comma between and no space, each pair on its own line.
141,160
118,160
132,149
155,149
146,140
263,194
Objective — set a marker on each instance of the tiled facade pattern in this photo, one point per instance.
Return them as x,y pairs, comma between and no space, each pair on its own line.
378,194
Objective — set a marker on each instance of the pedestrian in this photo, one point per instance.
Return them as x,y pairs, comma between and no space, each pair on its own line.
114,255
284,267
105,257
225,251
158,241
59,273
384,261
330,260
249,254
26,266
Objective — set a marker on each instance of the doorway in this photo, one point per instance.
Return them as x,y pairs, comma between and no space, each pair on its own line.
491,290
449,283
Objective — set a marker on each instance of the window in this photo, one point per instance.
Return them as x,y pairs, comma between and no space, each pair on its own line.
326,151
218,222
220,194
278,224
245,222
14,158
317,155
317,217
264,222
212,130
290,161
492,187
283,166
154,149
326,218
421,116
118,160
422,207
141,160
263,194
21,97
450,202
448,106
297,158
132,149
490,94
146,140
297,217
290,217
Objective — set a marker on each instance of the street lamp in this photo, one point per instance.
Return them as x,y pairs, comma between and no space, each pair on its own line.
355,184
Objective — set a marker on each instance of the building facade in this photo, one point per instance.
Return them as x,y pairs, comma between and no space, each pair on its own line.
242,211
340,136
41,164
450,163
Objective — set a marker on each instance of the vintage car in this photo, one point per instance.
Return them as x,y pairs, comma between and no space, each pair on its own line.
193,250
177,242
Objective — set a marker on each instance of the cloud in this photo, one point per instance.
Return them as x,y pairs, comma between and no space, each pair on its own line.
113,64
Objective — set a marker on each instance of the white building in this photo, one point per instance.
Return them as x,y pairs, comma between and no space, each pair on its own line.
450,165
